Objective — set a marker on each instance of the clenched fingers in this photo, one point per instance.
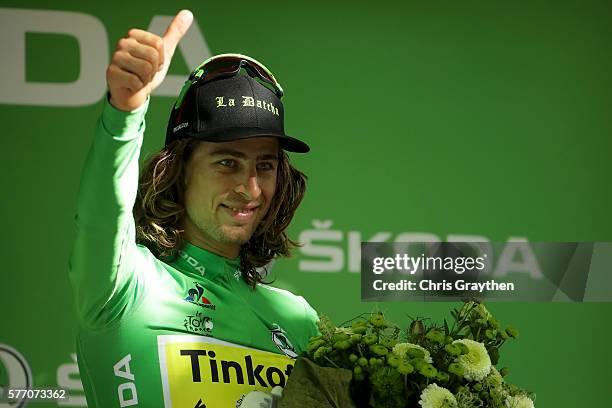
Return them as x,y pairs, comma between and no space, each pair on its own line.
150,39
142,51
125,79
143,69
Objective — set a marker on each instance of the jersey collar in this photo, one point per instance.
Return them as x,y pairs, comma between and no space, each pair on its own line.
204,263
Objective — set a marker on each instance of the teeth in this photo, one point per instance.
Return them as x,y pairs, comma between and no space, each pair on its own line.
240,211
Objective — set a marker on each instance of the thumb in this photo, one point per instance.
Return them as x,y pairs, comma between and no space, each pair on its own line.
176,30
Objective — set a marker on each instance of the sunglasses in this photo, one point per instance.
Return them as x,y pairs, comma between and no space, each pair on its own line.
228,65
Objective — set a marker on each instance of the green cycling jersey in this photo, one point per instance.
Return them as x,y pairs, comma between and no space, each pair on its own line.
155,333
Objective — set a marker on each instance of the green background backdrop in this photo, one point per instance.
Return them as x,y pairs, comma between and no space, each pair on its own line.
483,118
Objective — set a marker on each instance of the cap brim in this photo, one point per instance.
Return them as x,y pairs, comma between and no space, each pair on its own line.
288,143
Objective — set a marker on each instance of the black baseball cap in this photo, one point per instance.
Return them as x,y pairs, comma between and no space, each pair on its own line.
231,108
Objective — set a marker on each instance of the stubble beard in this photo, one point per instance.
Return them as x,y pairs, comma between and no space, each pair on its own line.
223,233
232,235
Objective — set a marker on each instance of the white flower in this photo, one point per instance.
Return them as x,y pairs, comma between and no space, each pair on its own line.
476,363
519,401
401,350
437,397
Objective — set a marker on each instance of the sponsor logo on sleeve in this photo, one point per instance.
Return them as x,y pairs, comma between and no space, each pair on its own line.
282,341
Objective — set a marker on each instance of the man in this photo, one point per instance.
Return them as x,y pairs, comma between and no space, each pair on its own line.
171,305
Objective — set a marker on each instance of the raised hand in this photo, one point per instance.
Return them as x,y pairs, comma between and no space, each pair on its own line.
140,62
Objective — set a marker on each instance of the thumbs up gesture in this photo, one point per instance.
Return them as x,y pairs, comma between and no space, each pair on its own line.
140,62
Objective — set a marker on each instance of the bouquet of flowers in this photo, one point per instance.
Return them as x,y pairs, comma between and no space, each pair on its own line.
426,365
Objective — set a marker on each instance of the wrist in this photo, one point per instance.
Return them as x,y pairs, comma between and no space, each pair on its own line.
127,107
121,122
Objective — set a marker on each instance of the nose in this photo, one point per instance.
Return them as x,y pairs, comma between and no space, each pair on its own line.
249,187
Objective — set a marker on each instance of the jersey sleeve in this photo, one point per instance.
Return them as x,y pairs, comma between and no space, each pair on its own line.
311,318
102,266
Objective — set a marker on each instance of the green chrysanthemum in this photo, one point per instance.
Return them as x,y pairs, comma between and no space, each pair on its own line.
466,399
483,312
476,310
494,379
401,350
476,363
519,401
435,396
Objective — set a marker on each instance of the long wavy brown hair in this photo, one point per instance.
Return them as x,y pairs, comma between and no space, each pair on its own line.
159,210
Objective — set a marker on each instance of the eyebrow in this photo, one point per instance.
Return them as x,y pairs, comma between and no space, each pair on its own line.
241,155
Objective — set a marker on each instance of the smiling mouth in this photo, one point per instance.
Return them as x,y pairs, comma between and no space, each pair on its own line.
240,212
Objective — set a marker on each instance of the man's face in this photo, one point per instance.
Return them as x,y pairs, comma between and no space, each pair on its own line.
229,188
